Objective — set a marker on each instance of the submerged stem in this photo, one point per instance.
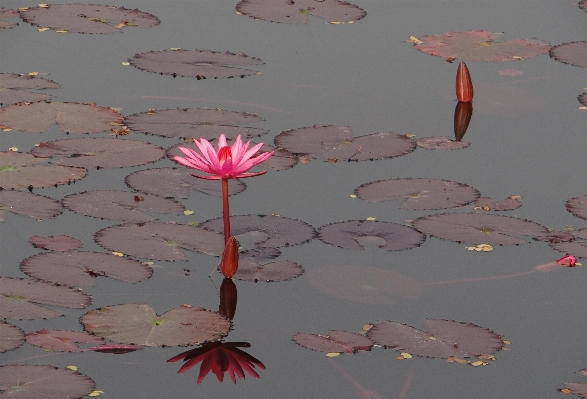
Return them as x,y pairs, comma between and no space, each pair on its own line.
225,211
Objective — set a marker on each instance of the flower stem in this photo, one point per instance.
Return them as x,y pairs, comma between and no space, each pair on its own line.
225,211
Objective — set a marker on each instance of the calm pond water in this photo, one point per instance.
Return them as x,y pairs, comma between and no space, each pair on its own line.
528,139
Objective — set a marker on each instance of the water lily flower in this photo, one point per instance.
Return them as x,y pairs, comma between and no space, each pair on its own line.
569,261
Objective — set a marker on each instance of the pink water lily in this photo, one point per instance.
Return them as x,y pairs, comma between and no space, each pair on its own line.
226,163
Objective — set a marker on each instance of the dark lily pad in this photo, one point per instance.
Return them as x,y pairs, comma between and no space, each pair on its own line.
573,53
583,99
441,143
442,339
99,152
336,341
480,46
336,143
200,64
18,298
11,337
62,340
578,388
121,205
43,382
188,123
265,231
87,18
11,86
17,171
578,207
298,11
577,247
506,204
6,24
177,183
79,269
477,228
27,204
71,117
56,243
358,234
583,5
363,284
8,13
249,270
555,237
259,254
138,324
117,349
160,241
419,193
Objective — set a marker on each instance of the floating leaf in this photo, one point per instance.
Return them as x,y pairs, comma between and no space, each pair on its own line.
87,18
441,143
359,234
479,46
160,241
56,243
11,86
556,237
71,117
573,53
578,207
117,349
79,269
577,248
200,64
62,340
138,324
40,382
419,193
298,12
27,204
489,204
249,270
336,341
11,337
336,143
442,339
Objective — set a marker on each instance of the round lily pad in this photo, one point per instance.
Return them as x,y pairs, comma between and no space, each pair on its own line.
573,53
298,12
43,382
506,204
419,193
27,204
249,270
138,324
62,340
200,64
336,143
441,143
56,243
335,342
11,86
11,337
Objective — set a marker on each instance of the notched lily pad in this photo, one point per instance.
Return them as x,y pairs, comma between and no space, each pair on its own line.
62,340
578,247
12,86
335,342
56,243
200,64
11,337
298,11
138,324
249,270
27,204
574,53
507,204
419,194
336,143
441,143
29,381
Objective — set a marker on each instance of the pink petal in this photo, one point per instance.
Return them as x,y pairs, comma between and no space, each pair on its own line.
222,142
213,177
245,175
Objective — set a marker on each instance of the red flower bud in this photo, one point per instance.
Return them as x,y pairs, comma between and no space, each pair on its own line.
464,84
229,262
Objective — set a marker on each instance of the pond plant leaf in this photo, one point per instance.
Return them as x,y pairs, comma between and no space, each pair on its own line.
99,152
138,324
506,204
117,349
441,143
62,340
360,234
200,64
75,118
573,53
80,269
178,182
479,46
336,341
43,382
298,12
583,99
363,284
583,5
18,298
578,207
11,337
336,143
28,204
578,388
441,339
56,243
160,241
419,194
477,228
11,86
6,24
188,123
577,247
249,270
87,18
121,205
17,171
555,236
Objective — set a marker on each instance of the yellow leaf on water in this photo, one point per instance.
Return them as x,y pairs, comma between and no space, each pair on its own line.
415,40
479,363
7,129
121,25
13,149
175,48
117,254
74,368
566,390
353,196
95,393
406,355
410,135
332,354
188,212
125,63
370,218
461,361
506,342
517,57
44,5
61,31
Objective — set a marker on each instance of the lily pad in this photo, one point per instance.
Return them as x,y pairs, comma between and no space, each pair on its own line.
556,237
364,284
335,342
43,382
358,234
177,183
480,46
577,247
80,269
442,339
573,53
27,204
17,171
87,18
62,340
11,337
99,152
419,194
18,298
506,204
578,207
248,270
200,64
138,324
121,205
71,117
160,241
11,86
196,123
578,388
441,143
298,12
476,228
56,243
336,143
